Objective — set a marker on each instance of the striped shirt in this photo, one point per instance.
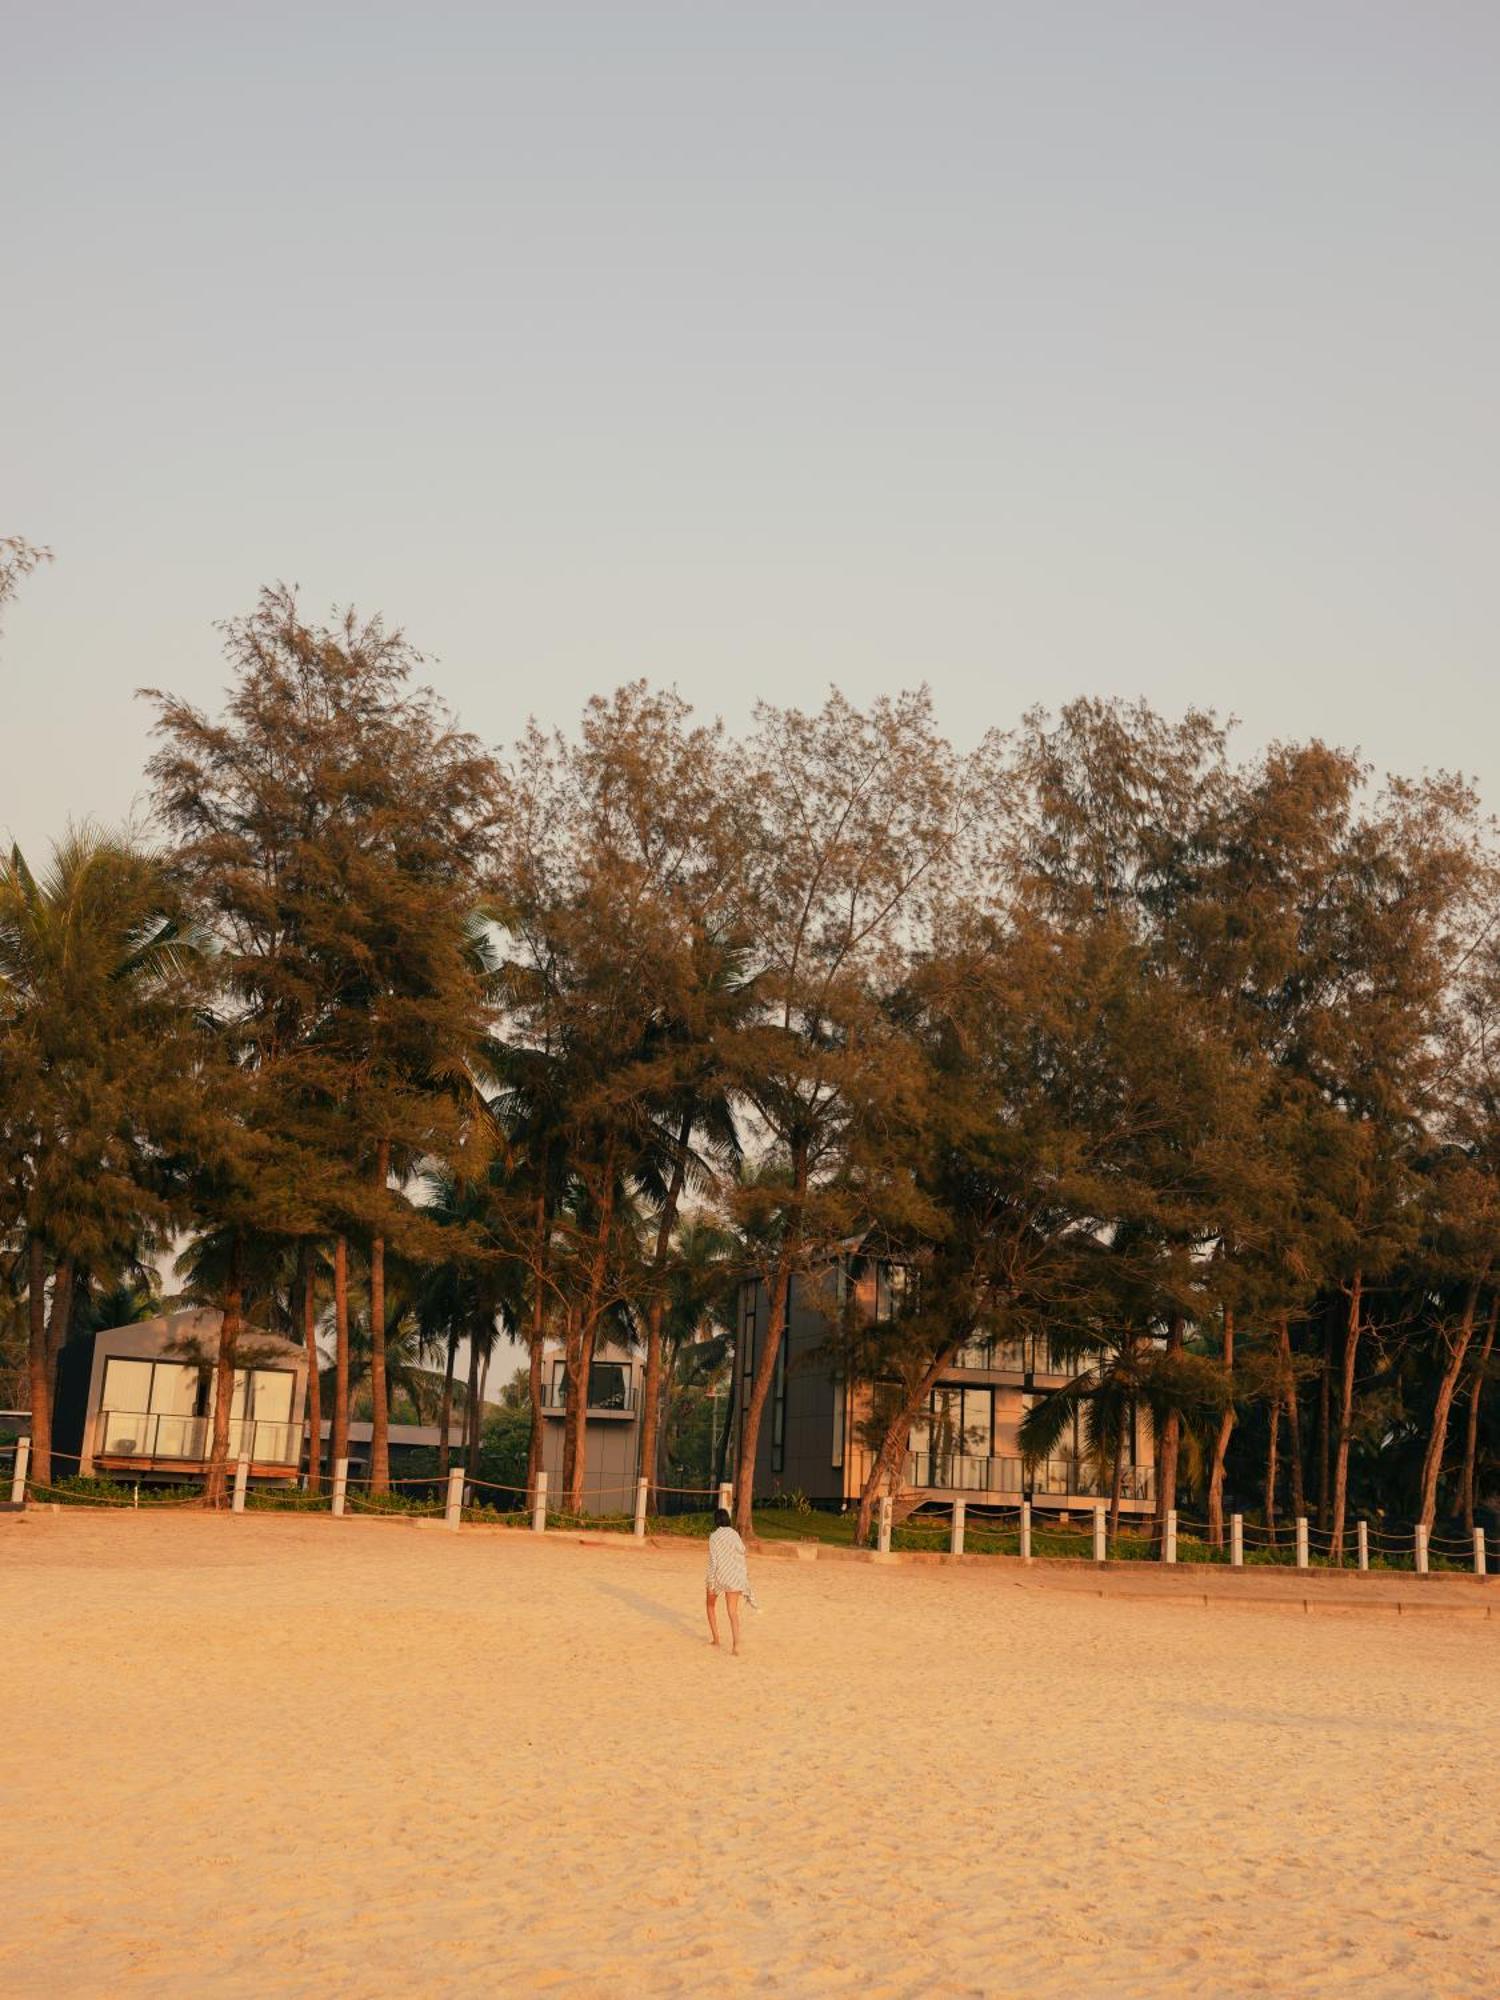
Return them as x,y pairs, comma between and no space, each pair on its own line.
726,1563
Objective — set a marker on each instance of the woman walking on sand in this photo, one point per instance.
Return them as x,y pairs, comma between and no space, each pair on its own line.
727,1575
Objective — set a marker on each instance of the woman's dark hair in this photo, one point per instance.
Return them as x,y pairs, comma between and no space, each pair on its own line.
721,1517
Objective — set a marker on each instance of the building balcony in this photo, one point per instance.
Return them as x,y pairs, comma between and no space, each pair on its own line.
604,1403
1014,1357
150,1437
1015,1479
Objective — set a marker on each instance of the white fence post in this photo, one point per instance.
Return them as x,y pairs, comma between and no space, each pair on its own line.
1302,1541
726,1497
1479,1552
883,1544
1236,1541
453,1506
1421,1550
18,1472
1101,1545
1026,1531
539,1506
638,1526
1362,1542
1169,1539
956,1538
241,1481
340,1483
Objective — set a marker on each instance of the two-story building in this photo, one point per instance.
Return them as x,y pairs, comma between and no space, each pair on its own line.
612,1439
813,1438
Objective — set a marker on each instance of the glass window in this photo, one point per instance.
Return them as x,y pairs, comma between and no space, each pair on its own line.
273,1395
559,1384
606,1386
177,1389
979,1405
127,1385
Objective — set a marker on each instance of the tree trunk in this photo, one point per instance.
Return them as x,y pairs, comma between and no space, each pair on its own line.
58,1319
472,1413
1471,1437
1437,1440
445,1408
338,1441
1169,1445
36,1359
314,1380
535,1342
1346,1421
776,1330
229,1340
1325,1428
893,1446
651,1396
1273,1427
721,1462
380,1408
760,1389
1293,1422
1117,1483
581,1350
1221,1445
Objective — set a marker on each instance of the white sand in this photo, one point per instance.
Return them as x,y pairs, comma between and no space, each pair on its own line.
272,1756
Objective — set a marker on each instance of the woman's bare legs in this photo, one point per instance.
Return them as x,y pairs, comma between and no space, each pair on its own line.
732,1599
713,1618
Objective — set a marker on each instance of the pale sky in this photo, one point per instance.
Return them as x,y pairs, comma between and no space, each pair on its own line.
1027,350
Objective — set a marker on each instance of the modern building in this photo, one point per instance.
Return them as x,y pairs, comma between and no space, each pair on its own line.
410,1445
813,1437
138,1401
612,1443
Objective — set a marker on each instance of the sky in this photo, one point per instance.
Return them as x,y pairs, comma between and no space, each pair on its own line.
1024,350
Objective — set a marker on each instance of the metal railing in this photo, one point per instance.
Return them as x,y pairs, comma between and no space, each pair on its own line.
621,1403
1014,1357
188,1440
953,1472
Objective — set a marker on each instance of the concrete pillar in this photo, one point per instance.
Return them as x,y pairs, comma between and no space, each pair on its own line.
453,1506
884,1532
1302,1541
1362,1542
1479,1552
1169,1539
18,1472
1236,1541
1101,1541
638,1525
340,1483
1026,1531
241,1482
1421,1550
539,1506
956,1539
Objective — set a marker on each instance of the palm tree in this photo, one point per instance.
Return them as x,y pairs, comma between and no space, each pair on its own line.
94,959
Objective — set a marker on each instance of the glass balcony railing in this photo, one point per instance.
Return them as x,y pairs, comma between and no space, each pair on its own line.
610,1402
1014,1357
188,1440
1056,1478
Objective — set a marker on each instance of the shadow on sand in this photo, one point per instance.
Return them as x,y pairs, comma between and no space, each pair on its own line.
649,1608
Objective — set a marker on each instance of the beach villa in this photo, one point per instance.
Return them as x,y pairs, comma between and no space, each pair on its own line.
965,1443
138,1400
612,1443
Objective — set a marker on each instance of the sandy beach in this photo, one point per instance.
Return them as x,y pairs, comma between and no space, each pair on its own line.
285,1757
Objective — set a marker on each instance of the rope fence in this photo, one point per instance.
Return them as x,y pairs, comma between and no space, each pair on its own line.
1235,1542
